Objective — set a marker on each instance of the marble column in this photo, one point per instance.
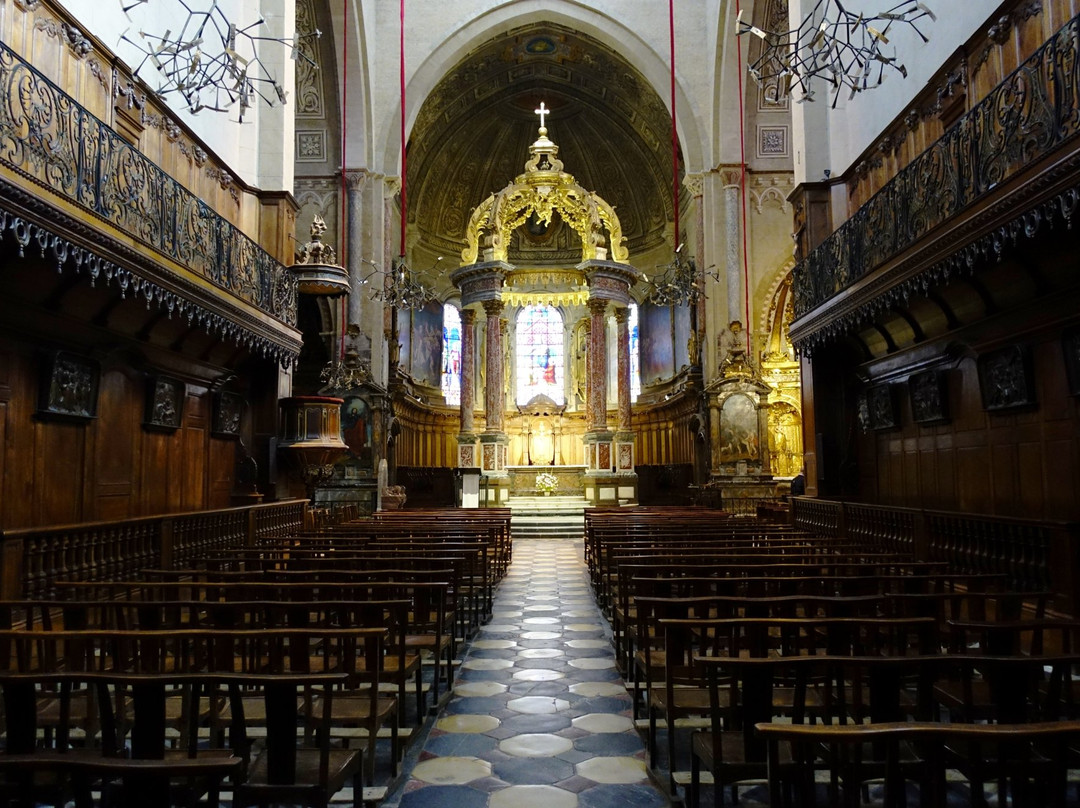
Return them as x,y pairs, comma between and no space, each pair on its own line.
494,398
597,367
733,267
468,369
355,180
695,185
622,320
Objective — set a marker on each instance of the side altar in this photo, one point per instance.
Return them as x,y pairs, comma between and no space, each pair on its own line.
523,480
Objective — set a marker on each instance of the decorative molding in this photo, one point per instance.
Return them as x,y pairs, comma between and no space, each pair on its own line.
310,146
225,180
126,91
309,72
98,72
74,38
772,141
357,178
177,297
75,158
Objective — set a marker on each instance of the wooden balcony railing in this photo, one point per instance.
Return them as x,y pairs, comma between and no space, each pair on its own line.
1034,555
32,560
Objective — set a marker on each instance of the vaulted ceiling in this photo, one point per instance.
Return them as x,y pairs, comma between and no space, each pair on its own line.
472,135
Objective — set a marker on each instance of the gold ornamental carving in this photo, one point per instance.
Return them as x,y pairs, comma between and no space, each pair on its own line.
543,190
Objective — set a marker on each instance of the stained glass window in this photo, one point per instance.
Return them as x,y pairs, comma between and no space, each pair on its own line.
635,362
451,355
541,365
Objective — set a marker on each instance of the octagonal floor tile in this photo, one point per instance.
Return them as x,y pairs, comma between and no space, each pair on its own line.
537,745
451,771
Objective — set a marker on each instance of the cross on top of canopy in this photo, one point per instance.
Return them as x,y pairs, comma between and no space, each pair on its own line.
541,191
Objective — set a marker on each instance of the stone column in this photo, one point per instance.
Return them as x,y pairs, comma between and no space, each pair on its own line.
467,453
597,367
695,185
355,180
622,320
494,399
468,368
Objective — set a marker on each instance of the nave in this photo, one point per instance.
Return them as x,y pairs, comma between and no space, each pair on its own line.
539,716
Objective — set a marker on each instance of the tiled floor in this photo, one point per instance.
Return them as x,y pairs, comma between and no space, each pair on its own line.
539,717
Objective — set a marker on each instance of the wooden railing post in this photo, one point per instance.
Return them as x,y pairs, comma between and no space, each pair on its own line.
11,568
921,538
841,520
167,537
252,527
1063,556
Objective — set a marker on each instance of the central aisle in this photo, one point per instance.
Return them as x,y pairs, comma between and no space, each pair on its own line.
539,717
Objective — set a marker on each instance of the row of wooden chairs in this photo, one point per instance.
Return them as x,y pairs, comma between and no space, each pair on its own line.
679,595
135,685
788,717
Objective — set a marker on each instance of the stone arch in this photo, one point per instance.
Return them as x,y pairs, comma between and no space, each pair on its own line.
776,301
457,44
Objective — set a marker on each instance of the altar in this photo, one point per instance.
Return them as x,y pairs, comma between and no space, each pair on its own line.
523,480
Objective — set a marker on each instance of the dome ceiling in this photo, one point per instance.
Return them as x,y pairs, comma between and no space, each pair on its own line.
473,132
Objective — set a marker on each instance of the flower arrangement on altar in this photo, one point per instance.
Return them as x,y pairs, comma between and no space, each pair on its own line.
547,482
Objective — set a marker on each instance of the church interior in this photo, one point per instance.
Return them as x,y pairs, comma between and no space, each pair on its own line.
723,277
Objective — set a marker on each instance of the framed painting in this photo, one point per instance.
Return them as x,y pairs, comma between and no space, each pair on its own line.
738,429
228,411
862,412
881,402
1006,380
929,397
164,403
69,387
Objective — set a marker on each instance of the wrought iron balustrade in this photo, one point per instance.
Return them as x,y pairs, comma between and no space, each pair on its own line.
46,136
1034,111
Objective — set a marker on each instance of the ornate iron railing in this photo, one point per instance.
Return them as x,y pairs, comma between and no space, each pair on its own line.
1026,117
49,138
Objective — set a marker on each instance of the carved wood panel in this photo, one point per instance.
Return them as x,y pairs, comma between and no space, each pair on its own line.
1005,463
109,467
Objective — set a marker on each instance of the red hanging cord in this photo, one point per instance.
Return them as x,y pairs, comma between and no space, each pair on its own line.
674,130
742,185
402,60
342,227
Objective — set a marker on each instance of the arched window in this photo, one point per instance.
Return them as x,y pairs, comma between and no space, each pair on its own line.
541,361
635,357
451,355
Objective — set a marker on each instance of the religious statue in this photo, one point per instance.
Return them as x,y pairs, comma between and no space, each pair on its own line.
731,351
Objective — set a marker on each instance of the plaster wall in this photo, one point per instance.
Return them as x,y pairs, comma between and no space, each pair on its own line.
833,138
260,150
438,36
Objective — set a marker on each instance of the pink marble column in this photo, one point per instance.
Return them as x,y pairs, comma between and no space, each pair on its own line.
468,368
597,367
493,401
622,324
